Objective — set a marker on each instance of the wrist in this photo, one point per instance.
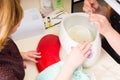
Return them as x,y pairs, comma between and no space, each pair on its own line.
108,32
69,65
68,68
23,55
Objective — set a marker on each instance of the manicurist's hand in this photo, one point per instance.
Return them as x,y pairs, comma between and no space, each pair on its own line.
78,54
90,6
105,28
101,23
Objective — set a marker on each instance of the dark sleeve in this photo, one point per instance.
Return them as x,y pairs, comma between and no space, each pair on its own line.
11,62
7,74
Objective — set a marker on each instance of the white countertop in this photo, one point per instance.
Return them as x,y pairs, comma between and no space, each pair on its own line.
105,68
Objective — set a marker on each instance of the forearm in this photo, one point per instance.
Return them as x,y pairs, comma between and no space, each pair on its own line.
113,39
65,73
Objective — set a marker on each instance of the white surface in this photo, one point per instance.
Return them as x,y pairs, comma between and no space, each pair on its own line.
104,69
32,24
114,4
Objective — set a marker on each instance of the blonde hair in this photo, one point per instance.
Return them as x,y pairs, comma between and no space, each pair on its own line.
11,14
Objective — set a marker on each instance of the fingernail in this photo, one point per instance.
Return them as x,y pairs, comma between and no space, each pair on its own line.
36,62
24,67
39,56
39,53
90,55
71,47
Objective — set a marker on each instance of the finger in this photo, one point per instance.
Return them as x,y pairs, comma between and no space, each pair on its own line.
35,56
36,53
86,49
84,44
80,44
87,53
72,47
87,6
87,9
32,51
91,1
32,59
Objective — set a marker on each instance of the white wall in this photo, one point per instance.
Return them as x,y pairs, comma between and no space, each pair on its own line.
27,4
67,5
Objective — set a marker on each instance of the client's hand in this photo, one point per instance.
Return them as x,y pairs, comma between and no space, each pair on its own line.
78,54
30,56
91,6
76,57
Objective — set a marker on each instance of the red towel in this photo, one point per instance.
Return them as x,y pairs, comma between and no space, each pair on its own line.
49,46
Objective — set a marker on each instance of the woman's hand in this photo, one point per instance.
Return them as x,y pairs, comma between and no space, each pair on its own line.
91,6
78,54
30,56
101,22
76,57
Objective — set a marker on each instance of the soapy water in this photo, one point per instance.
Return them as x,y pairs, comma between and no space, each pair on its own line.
80,33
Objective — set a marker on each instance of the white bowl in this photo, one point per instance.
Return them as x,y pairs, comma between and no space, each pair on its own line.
76,28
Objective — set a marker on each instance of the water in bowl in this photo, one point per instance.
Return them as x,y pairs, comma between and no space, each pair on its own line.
80,33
